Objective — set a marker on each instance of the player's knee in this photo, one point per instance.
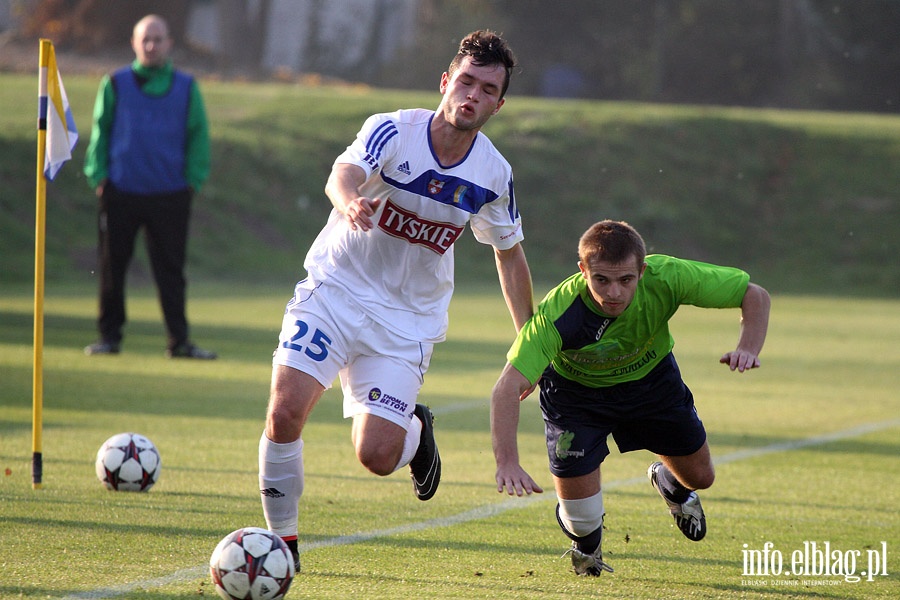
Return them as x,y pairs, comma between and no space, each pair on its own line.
280,427
377,464
284,420
380,460
293,395
703,479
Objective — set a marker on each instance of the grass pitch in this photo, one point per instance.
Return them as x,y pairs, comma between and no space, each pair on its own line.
806,447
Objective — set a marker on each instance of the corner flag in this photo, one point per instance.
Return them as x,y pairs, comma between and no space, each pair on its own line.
56,138
54,115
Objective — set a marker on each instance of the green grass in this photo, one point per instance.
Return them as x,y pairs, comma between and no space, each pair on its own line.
806,201
829,367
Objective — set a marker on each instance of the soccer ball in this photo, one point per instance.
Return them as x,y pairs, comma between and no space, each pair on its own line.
252,564
128,462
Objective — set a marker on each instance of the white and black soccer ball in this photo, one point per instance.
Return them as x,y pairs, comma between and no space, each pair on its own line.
128,462
252,564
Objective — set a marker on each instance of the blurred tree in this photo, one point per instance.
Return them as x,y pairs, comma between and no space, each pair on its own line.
241,34
94,25
831,54
825,54
861,39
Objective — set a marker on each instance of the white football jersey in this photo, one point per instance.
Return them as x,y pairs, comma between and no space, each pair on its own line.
401,271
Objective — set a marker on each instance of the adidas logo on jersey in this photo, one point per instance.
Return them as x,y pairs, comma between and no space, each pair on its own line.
404,168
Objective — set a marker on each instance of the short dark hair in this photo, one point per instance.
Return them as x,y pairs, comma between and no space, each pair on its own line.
486,48
613,242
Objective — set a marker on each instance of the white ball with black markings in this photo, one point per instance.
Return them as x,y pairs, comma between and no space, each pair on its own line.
252,564
128,462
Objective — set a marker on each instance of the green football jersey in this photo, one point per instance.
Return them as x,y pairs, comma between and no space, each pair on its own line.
585,346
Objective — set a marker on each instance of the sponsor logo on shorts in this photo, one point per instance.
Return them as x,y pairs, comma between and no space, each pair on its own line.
376,396
563,443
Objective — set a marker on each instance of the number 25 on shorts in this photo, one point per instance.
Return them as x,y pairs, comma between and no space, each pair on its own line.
317,346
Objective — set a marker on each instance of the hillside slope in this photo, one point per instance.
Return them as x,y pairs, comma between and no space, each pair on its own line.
807,202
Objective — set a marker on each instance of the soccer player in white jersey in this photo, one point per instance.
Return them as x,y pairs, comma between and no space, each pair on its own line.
380,278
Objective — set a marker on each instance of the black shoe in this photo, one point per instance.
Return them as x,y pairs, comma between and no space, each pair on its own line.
190,351
102,347
425,467
295,553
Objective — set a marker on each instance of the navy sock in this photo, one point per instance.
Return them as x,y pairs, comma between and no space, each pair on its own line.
671,487
586,544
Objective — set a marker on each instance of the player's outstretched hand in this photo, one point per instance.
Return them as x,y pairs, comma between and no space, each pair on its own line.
516,481
359,212
740,360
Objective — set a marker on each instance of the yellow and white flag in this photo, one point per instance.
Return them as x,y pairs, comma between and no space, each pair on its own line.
55,116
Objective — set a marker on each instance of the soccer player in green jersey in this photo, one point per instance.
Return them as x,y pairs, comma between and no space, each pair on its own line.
599,344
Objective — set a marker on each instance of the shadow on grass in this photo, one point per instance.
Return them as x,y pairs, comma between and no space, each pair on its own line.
843,446
141,336
49,523
116,383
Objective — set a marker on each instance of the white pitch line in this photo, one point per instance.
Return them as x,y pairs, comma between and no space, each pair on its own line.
813,441
481,512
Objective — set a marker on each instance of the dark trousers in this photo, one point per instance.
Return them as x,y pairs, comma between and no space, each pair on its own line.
164,219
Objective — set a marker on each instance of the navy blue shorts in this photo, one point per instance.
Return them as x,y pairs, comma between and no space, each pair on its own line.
655,413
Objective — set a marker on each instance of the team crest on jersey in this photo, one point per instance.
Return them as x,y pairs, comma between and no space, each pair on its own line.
435,186
409,226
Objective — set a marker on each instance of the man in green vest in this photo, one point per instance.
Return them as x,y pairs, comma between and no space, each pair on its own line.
148,155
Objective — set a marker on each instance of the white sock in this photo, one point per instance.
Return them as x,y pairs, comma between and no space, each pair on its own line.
281,484
410,443
582,517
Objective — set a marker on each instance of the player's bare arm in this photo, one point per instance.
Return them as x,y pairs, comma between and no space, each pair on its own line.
504,429
342,189
754,325
515,282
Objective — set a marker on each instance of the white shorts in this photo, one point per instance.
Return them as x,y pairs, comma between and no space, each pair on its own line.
326,334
